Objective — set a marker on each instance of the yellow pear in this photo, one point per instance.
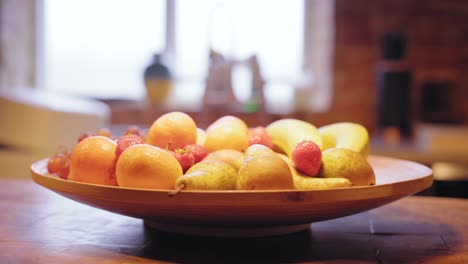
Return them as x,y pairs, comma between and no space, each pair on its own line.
288,132
345,135
349,164
201,136
208,175
227,132
305,182
257,150
263,169
233,157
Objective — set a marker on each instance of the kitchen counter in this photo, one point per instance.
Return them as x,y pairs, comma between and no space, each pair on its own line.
411,150
39,226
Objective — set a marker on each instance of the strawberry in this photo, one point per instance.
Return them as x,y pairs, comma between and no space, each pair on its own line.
185,158
133,130
59,164
104,132
84,135
259,135
199,152
126,141
307,157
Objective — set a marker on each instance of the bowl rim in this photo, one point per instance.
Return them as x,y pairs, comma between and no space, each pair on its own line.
403,187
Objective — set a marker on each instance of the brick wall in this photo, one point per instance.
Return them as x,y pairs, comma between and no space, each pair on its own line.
437,50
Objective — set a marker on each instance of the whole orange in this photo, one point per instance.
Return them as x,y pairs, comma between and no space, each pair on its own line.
93,161
172,130
147,167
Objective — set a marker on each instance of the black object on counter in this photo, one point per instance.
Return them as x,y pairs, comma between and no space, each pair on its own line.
437,103
394,85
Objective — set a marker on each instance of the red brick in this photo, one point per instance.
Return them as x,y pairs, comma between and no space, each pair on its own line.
449,7
355,7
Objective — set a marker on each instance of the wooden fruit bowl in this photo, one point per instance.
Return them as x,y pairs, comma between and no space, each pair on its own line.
244,213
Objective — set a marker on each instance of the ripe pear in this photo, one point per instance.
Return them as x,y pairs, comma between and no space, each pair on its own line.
263,169
349,164
227,132
208,175
286,133
233,157
305,182
345,135
201,136
257,150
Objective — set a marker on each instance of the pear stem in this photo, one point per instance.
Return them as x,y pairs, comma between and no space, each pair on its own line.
177,190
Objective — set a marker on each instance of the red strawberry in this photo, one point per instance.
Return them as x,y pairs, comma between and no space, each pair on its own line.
199,152
307,157
104,132
259,135
126,141
59,164
185,158
133,130
84,135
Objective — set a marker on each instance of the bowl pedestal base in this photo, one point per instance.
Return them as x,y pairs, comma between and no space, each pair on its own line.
226,231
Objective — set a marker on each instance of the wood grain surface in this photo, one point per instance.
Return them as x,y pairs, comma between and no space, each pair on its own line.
40,226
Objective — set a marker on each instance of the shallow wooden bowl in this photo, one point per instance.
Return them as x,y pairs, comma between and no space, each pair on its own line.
244,213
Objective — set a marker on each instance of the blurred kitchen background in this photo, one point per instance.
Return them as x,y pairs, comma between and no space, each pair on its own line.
400,68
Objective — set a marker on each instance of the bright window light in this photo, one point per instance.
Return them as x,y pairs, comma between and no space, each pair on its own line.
238,28
100,48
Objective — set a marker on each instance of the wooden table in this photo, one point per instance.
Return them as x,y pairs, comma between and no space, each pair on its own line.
39,226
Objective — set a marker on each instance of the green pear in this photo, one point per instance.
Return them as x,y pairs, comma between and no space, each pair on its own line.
208,175
349,164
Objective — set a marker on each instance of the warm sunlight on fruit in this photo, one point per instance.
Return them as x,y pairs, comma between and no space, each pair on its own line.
228,132
349,164
263,169
209,175
285,154
148,167
172,130
230,156
93,161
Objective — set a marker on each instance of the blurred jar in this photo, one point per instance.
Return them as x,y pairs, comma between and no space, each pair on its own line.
158,80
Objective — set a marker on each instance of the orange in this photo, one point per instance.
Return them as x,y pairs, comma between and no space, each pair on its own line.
93,161
228,132
172,130
147,167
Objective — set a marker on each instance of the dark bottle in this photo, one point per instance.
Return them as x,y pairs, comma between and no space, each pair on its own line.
394,86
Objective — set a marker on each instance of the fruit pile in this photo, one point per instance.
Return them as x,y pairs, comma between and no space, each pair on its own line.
175,154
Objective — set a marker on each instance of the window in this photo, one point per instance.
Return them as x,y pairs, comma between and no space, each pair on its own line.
100,48
273,30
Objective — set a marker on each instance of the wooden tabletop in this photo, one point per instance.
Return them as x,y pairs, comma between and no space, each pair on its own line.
39,226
